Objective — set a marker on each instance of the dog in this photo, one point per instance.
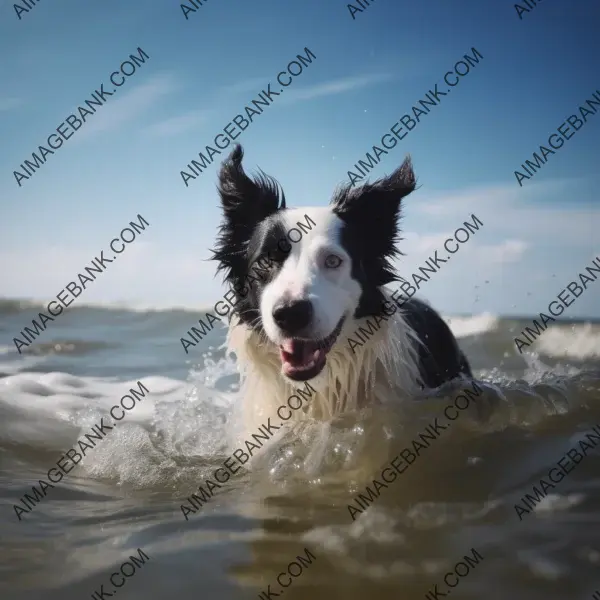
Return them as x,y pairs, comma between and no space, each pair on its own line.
296,315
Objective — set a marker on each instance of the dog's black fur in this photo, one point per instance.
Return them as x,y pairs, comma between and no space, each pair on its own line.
440,358
247,205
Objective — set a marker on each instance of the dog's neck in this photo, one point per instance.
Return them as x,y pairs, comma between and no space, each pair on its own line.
356,374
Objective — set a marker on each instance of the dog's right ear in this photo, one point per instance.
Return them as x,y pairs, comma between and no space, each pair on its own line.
251,199
246,202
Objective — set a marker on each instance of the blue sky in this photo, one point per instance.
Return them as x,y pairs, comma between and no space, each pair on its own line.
368,72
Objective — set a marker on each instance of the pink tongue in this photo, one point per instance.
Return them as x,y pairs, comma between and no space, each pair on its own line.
288,346
297,351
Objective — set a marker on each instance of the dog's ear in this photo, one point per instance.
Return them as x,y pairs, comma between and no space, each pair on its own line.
250,200
372,211
246,202
378,201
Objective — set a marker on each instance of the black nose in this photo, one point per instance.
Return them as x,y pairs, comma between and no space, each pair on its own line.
293,316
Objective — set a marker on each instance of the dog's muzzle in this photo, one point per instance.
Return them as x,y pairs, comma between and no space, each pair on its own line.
302,359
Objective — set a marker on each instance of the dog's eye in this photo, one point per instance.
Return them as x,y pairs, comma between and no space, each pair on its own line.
280,251
278,255
332,261
264,262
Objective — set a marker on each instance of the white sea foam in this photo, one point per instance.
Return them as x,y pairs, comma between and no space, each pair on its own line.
576,341
50,411
465,326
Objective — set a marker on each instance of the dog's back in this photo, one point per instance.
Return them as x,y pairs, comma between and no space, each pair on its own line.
440,358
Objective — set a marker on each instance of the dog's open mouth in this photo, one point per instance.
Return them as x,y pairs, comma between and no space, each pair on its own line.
304,359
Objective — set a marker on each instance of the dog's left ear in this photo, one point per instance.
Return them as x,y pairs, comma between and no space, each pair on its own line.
372,212
378,201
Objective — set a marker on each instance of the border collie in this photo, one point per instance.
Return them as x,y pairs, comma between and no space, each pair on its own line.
298,312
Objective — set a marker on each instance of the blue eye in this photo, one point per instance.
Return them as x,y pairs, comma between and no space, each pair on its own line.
332,261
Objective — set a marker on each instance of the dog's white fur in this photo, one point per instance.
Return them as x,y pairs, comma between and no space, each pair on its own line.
332,292
379,371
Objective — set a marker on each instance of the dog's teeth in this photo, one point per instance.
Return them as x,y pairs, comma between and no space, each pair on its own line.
306,366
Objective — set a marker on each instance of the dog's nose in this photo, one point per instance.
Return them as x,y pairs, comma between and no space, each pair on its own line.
292,317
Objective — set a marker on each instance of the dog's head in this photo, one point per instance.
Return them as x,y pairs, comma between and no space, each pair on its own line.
299,275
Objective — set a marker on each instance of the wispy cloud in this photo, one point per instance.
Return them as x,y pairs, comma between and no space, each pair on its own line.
9,103
519,213
520,227
128,106
337,86
193,119
254,84
185,122
168,267
423,246
508,251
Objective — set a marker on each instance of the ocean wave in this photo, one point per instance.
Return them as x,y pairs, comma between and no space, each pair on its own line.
10,306
188,423
575,341
63,346
476,324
